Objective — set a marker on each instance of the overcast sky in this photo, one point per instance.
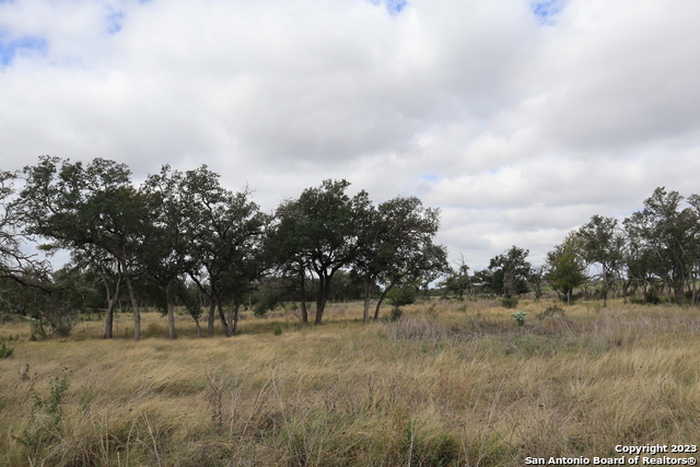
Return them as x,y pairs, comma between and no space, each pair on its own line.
519,119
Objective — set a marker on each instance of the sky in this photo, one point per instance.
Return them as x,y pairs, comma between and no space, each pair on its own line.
519,119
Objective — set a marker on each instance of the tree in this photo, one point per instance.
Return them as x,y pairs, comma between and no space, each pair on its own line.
404,252
566,267
458,281
325,221
13,262
163,253
510,271
84,207
225,240
602,244
667,232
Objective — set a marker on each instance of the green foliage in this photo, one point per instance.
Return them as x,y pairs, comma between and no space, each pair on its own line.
519,317
5,350
396,314
44,426
566,267
509,302
400,296
277,330
510,272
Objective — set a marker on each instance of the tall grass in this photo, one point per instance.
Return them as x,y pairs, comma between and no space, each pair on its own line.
447,384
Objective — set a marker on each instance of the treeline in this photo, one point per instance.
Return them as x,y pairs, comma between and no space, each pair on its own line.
651,256
181,238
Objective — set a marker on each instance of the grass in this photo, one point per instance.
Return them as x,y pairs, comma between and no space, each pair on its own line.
448,384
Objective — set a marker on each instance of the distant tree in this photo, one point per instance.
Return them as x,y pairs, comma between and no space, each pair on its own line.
667,233
510,271
536,279
566,267
458,281
602,244
395,245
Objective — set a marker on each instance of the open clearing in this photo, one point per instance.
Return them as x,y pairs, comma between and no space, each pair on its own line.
449,384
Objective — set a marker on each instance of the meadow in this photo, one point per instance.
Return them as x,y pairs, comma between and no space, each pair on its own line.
449,383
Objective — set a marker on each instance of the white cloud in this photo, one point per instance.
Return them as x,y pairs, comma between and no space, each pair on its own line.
519,129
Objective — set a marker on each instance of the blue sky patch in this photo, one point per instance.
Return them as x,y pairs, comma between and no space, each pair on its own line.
394,7
26,44
546,10
114,19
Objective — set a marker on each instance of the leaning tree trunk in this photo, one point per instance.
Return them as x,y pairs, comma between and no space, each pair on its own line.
224,320
134,309
381,299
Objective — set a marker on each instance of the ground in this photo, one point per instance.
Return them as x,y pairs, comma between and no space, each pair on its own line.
450,383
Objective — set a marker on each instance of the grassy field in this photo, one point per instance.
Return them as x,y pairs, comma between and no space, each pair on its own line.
448,384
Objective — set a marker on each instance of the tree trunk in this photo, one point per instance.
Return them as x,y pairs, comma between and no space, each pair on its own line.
171,314
134,309
304,311
236,309
210,318
109,319
224,321
365,310
199,330
320,307
111,301
381,299
322,297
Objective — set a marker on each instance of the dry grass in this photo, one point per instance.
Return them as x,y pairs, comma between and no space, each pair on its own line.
448,384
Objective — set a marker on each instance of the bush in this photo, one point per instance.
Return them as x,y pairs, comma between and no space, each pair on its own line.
550,312
5,350
519,317
395,314
509,302
277,331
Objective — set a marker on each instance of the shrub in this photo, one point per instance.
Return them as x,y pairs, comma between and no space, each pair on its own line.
400,296
5,350
519,317
395,314
550,312
46,419
509,302
277,331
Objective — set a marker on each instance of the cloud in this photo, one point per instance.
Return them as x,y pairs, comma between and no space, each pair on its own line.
519,119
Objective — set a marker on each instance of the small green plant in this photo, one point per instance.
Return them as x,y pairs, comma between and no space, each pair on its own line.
509,302
5,350
519,317
396,313
277,330
46,418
